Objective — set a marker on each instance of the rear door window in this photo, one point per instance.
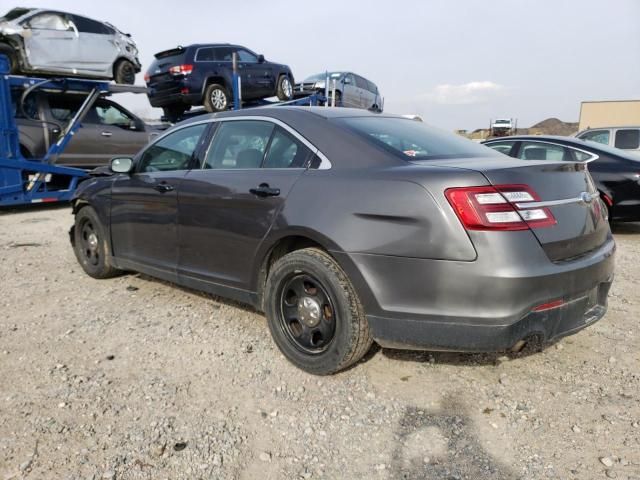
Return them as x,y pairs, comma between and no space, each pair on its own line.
502,147
361,82
543,151
628,139
223,54
285,151
598,136
239,144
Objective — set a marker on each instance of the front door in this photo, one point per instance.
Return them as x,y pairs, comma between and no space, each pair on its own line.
257,78
144,203
227,207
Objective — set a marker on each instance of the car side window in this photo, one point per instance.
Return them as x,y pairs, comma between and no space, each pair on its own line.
349,80
205,54
372,87
63,108
246,56
543,151
598,136
502,147
286,151
628,139
172,152
238,144
361,82
49,21
223,54
86,25
110,115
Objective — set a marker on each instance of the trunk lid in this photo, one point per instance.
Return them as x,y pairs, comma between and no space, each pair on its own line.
158,71
565,188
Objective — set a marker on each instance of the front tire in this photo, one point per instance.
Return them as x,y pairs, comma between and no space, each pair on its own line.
285,88
124,72
90,245
314,314
216,98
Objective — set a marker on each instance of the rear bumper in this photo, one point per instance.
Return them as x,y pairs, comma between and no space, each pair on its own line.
160,99
484,305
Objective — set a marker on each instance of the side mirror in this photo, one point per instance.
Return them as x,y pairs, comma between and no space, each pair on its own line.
121,164
260,58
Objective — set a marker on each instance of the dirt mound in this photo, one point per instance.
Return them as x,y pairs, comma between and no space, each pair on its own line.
553,126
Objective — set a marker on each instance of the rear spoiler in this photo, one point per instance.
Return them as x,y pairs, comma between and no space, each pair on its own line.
170,53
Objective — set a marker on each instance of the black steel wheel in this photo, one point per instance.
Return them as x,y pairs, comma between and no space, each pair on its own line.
307,315
314,314
125,72
90,245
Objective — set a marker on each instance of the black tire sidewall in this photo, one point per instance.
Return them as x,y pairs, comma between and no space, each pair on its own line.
280,91
333,358
207,98
103,269
119,74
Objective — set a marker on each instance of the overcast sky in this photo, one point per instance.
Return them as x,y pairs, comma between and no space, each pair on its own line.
457,63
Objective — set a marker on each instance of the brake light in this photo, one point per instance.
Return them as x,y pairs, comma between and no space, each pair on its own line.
146,78
549,306
181,69
500,207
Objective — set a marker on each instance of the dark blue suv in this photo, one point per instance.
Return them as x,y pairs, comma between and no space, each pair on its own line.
202,75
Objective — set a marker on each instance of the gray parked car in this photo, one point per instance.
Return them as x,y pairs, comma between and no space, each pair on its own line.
107,130
347,226
39,41
351,90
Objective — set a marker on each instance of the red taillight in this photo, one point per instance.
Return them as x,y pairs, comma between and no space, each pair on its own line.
499,207
549,306
146,78
181,69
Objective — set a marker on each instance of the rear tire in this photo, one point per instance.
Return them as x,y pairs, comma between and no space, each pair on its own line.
10,52
314,314
90,245
216,98
124,72
285,88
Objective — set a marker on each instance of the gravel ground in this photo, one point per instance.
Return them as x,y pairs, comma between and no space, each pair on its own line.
133,378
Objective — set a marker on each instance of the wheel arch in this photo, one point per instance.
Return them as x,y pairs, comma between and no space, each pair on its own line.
297,239
118,60
219,79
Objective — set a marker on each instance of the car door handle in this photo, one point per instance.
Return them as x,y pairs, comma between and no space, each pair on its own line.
264,190
163,187
106,134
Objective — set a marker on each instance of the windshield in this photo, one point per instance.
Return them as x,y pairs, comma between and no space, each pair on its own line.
413,140
15,13
322,76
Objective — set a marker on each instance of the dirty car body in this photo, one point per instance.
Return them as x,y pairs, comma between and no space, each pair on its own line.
448,244
54,42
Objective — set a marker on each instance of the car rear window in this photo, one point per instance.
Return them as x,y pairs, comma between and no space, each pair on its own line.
414,140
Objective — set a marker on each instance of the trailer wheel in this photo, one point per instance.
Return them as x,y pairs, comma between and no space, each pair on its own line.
124,72
91,246
11,55
285,89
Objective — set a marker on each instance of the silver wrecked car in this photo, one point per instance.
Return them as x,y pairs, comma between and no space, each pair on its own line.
40,42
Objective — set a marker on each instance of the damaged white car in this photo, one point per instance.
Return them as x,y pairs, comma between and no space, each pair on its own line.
48,42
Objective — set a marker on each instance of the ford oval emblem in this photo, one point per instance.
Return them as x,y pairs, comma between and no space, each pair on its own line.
586,198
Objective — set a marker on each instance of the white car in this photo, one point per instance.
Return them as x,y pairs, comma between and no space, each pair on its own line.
624,138
49,42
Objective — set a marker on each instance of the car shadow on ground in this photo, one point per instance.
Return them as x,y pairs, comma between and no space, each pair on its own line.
461,358
625,228
442,444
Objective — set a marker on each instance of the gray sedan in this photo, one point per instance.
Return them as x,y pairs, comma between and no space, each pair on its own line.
41,41
348,227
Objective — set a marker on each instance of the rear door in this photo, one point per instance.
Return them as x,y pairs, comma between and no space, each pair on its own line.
227,207
98,51
144,205
350,92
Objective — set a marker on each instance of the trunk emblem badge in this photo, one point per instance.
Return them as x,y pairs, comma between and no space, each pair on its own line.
586,197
